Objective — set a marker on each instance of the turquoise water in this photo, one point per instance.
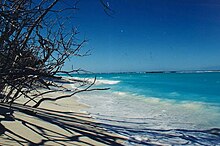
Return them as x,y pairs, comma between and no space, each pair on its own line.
163,108
201,87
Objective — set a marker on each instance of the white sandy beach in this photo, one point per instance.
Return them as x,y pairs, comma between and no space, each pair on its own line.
54,123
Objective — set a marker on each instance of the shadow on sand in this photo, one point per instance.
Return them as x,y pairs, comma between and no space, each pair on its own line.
78,126
150,136
75,124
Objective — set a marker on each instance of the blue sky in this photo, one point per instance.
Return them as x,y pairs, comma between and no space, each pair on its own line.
148,35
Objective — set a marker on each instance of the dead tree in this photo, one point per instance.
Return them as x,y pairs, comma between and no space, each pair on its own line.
34,46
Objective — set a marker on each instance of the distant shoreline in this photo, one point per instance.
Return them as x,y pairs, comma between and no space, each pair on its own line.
185,71
153,72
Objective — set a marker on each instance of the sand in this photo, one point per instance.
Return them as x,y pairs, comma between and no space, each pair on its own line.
63,122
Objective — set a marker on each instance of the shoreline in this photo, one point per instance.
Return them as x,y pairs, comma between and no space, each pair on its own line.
153,127
64,122
108,118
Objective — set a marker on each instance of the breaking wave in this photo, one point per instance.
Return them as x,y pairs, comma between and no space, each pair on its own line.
154,121
106,82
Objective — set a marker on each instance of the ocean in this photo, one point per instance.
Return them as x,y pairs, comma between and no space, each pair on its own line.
158,108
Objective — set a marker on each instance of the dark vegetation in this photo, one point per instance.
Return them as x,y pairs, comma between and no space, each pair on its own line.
34,46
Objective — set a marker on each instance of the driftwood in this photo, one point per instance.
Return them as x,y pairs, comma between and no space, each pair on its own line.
34,46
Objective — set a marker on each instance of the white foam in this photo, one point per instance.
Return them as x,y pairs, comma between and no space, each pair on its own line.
192,105
75,82
98,81
120,93
156,112
107,82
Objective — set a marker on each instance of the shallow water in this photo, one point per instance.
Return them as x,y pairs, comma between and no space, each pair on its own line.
159,108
